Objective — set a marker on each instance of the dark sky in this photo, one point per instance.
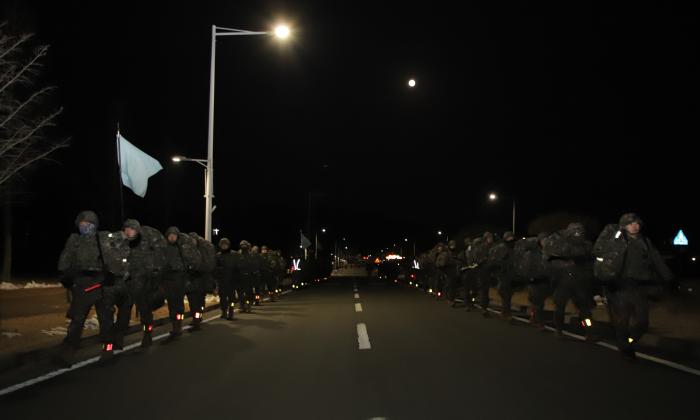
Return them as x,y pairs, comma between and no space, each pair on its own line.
585,108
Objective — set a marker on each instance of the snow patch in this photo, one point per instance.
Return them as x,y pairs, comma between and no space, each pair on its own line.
11,334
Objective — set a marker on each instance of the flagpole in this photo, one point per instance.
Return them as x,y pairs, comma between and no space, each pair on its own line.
119,178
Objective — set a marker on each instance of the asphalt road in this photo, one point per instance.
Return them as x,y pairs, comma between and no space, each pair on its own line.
299,359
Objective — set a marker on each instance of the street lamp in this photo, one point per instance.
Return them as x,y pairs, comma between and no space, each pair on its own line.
201,162
281,32
412,83
494,197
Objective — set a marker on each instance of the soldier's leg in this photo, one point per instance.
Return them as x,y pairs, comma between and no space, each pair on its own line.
639,321
620,313
175,294
124,299
223,297
583,298
505,290
484,280
104,307
537,293
79,308
466,284
562,293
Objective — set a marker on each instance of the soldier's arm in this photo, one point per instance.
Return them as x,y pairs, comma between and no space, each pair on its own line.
65,260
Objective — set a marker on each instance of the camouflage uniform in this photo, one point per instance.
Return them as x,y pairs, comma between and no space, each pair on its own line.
501,265
571,266
200,280
467,274
258,280
482,272
248,270
180,258
145,262
530,267
226,261
641,271
268,267
91,265
448,265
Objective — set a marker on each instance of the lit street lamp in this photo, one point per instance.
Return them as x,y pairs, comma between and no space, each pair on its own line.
281,32
494,197
412,83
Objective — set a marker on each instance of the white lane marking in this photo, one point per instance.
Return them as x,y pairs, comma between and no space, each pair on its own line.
669,363
358,307
92,360
357,295
362,337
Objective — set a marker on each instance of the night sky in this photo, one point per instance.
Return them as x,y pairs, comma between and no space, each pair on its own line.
583,109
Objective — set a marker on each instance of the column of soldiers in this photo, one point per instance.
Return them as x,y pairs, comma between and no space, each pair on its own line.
139,266
623,265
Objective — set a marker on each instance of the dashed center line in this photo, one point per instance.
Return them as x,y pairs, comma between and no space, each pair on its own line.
358,307
362,337
357,295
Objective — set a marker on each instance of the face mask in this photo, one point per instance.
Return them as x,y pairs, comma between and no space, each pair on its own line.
86,228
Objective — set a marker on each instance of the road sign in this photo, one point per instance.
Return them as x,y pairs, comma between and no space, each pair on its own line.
680,239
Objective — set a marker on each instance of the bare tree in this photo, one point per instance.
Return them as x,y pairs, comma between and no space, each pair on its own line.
23,119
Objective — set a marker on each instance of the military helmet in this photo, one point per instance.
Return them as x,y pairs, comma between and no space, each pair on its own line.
224,241
171,230
132,224
467,241
452,243
244,243
87,216
576,229
542,235
508,236
629,218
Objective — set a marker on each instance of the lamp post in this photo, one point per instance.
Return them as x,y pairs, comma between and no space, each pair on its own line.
281,32
494,197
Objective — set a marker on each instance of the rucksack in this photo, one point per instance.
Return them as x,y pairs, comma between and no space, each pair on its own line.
610,250
527,259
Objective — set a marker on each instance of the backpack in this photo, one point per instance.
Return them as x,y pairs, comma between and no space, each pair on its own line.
527,259
610,250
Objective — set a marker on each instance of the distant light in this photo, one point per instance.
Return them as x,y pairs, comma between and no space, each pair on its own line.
405,239
412,83
630,340
177,159
693,259
346,247
439,232
216,231
323,230
492,196
282,31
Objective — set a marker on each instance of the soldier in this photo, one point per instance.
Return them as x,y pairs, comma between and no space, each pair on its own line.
467,274
268,267
258,281
637,270
201,280
570,257
482,270
424,271
90,264
448,265
181,257
531,268
501,263
435,275
281,272
226,261
145,262
248,270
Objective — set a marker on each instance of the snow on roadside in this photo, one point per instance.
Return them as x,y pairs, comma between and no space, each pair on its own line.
30,285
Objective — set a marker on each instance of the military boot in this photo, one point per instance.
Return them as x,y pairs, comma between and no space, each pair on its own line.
147,339
107,354
176,331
